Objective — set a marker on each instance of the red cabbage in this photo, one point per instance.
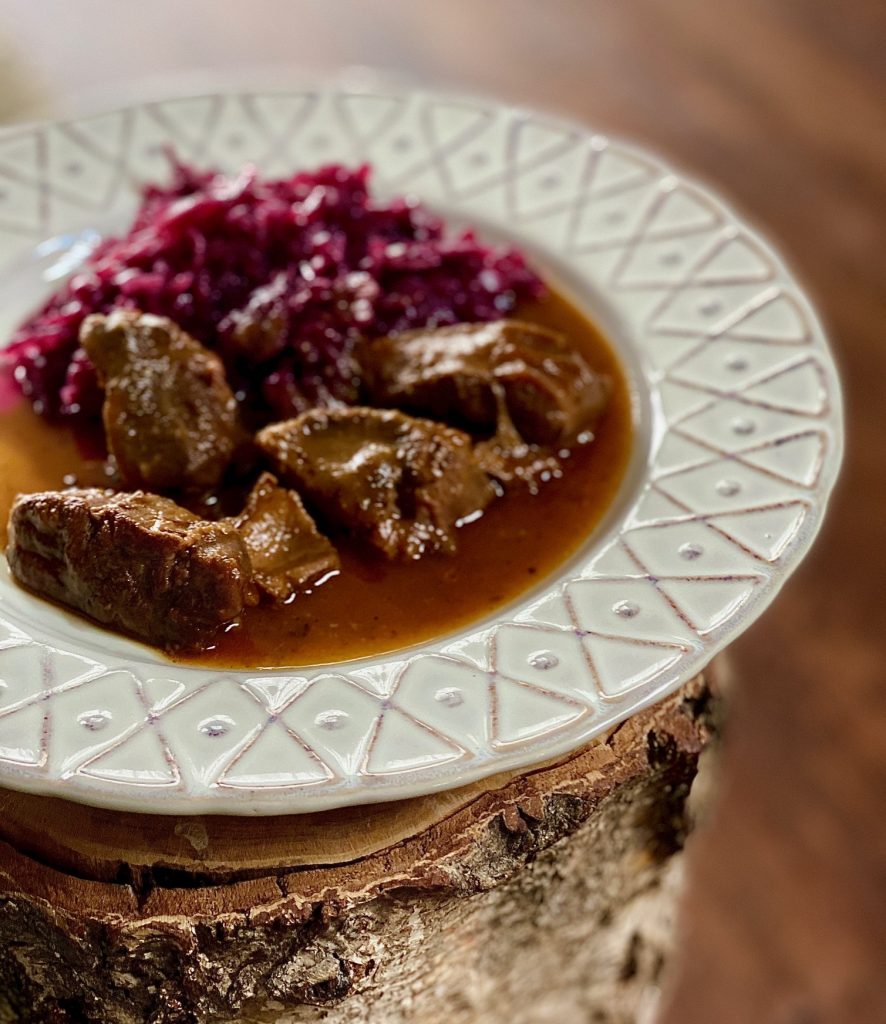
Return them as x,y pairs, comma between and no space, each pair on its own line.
312,259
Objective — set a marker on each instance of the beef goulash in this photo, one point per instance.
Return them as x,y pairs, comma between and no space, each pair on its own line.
136,562
170,419
402,484
399,485
323,425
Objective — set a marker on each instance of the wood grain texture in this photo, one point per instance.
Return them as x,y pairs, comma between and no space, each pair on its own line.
110,846
568,871
781,105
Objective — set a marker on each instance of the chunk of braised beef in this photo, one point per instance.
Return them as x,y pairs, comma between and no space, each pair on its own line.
511,460
401,484
136,562
286,549
550,392
171,421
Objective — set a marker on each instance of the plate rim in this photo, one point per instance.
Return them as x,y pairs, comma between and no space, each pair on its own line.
279,800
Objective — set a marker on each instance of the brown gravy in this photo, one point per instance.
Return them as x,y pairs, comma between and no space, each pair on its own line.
373,606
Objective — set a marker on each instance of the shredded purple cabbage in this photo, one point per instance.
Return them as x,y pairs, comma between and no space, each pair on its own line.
281,277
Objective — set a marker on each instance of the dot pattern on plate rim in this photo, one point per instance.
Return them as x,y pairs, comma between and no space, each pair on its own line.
745,433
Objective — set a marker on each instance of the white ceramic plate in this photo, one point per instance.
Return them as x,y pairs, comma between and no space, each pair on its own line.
738,444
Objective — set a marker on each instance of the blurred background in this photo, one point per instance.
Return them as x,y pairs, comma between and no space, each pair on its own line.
781,104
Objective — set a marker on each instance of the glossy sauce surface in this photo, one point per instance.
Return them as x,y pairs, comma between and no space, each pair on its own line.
373,606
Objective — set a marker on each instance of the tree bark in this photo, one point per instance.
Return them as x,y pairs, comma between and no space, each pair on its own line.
534,897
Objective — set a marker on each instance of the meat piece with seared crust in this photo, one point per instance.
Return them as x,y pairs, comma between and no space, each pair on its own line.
136,562
453,373
171,421
285,547
401,484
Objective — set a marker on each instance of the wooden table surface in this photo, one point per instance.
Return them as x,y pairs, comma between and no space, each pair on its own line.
782,104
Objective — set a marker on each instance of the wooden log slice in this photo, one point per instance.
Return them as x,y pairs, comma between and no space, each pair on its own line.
546,895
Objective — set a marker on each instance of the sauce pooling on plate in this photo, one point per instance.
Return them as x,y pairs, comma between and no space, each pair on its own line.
372,605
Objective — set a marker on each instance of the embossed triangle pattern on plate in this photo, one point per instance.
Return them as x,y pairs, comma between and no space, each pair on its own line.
739,441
